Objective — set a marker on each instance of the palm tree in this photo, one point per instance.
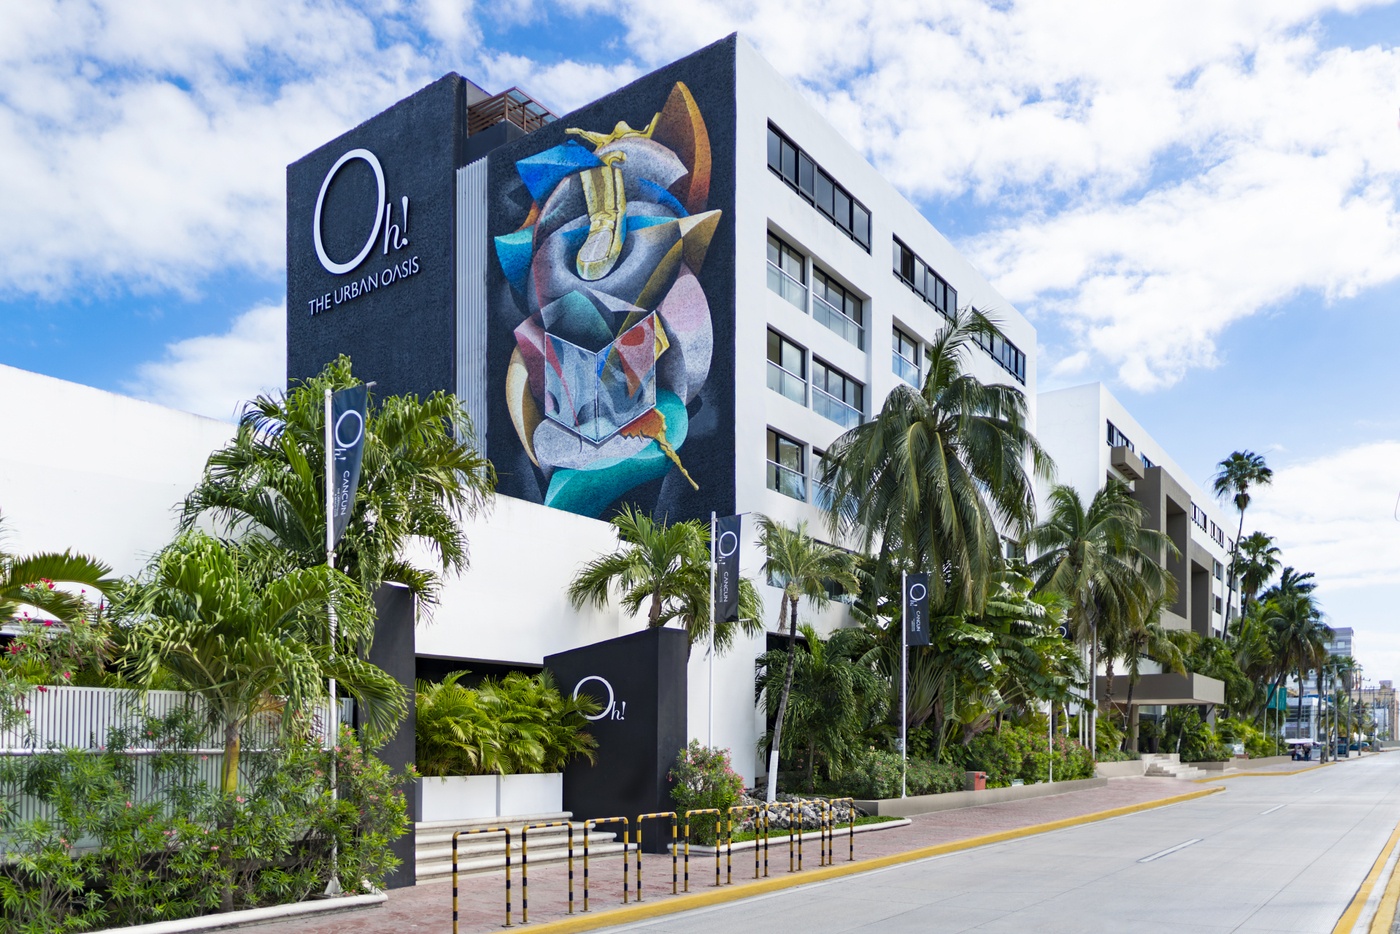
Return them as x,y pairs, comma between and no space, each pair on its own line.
1234,478
1255,566
1144,637
421,476
802,567
834,695
937,471
1300,636
205,618
44,581
1102,560
665,568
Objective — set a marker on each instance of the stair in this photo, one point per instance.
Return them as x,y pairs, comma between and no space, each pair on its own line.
485,852
1163,765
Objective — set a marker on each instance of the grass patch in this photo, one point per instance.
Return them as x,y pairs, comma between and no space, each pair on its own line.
844,827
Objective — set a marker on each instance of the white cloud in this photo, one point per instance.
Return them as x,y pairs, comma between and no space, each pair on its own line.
214,374
1336,516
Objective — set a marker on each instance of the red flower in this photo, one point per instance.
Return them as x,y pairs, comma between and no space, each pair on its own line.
43,689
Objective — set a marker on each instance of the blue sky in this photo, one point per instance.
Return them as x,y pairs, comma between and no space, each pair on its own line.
1194,202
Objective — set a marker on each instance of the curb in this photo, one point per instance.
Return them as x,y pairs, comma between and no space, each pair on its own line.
1346,924
1384,920
1221,778
641,912
776,839
236,919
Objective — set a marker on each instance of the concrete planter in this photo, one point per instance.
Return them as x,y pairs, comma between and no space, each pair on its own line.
464,797
925,804
1129,768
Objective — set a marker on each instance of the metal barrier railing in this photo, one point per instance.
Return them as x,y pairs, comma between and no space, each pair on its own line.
688,815
525,865
675,880
824,832
851,814
587,827
759,810
794,832
467,833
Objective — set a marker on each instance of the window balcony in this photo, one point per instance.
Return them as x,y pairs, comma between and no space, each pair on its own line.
788,287
834,319
787,383
787,481
833,408
907,371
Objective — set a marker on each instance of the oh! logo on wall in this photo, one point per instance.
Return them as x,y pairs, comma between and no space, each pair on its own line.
614,709
388,234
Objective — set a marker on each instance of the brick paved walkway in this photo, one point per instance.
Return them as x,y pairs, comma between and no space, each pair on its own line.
428,907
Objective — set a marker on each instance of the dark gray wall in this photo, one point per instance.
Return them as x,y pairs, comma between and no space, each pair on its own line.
641,732
392,651
402,334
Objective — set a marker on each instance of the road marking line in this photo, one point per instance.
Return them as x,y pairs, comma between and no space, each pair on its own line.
1384,919
1346,924
644,911
1272,809
1170,850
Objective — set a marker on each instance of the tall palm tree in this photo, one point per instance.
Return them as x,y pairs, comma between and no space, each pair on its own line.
803,567
938,470
45,580
420,478
1102,559
205,618
1143,638
665,568
1300,637
834,695
1255,566
1234,478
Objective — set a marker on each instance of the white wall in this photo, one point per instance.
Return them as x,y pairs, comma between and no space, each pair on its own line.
93,471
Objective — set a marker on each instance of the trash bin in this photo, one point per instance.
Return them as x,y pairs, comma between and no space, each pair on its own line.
974,781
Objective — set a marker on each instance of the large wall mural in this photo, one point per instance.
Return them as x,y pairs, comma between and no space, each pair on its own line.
605,311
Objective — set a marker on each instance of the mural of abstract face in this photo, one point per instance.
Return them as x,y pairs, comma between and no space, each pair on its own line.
617,337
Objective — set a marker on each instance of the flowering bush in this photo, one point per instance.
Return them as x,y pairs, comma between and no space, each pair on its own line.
704,777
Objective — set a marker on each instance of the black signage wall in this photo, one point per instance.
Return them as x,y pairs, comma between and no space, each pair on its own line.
370,246
640,682
392,650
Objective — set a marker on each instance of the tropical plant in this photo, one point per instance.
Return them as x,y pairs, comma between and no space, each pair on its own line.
1104,562
46,582
803,567
666,569
1143,637
1235,477
519,724
1299,634
833,697
421,476
1255,565
204,618
930,479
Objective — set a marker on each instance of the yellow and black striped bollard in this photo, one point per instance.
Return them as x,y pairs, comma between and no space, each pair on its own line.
675,866
688,815
598,822
467,833
851,814
525,865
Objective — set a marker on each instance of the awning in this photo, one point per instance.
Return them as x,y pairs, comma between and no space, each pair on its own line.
1165,689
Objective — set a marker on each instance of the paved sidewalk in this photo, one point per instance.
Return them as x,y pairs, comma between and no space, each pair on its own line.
428,907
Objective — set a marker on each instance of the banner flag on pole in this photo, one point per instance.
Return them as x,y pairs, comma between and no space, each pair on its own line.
727,569
348,448
916,609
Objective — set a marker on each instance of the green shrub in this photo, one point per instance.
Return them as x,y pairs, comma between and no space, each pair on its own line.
1257,743
927,777
704,777
1016,752
1195,740
874,774
518,724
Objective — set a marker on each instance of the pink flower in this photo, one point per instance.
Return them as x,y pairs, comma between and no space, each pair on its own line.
67,675
43,689
128,804
48,622
240,799
214,848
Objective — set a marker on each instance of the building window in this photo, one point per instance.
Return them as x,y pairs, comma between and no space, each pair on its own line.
1219,570
824,193
1116,438
787,368
837,396
926,283
1198,516
837,308
787,273
1006,354
906,359
1218,606
787,471
822,493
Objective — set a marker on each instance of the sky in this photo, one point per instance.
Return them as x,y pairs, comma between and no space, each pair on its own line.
1194,201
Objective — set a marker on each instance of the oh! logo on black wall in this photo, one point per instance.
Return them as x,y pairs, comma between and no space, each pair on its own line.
387,234
614,709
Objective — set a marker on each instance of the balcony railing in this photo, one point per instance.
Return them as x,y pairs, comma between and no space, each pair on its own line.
835,319
788,287
907,371
513,106
787,481
833,408
787,382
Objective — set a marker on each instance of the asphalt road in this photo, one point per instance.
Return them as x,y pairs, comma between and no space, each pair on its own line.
1270,854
